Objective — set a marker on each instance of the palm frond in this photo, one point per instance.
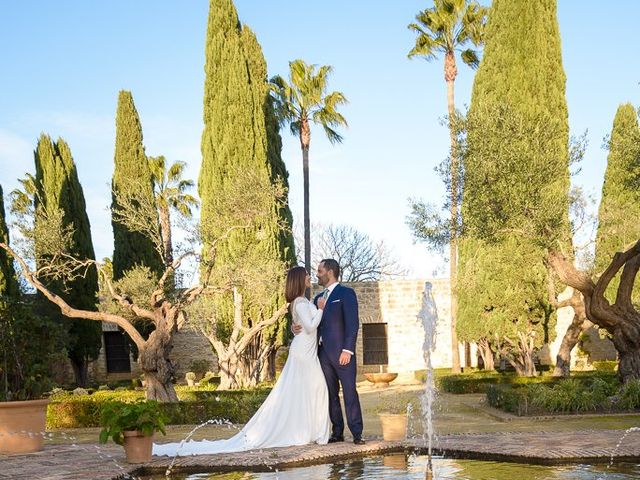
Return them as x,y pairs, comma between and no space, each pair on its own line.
446,27
157,168
470,57
333,136
175,171
294,127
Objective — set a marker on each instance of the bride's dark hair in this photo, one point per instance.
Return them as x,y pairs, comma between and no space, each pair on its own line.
296,284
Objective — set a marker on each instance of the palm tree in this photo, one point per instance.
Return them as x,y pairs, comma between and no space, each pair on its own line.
299,103
446,28
170,192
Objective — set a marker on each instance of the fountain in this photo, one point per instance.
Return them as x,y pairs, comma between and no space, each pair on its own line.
213,421
429,316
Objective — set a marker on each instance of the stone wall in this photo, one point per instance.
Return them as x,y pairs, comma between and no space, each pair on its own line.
395,303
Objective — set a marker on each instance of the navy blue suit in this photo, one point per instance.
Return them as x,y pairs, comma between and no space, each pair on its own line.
338,330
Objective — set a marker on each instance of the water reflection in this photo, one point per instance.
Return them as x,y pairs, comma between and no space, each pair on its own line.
400,466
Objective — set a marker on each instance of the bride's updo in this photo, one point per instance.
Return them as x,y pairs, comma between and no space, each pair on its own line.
296,283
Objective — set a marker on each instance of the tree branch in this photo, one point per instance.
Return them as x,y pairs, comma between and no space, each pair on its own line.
68,310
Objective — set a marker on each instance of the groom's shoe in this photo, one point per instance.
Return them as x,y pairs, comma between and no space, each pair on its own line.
358,441
334,439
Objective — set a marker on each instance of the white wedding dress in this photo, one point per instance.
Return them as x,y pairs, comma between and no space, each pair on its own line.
296,412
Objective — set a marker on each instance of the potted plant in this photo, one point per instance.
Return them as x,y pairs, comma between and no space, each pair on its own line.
393,418
190,377
199,367
132,425
25,377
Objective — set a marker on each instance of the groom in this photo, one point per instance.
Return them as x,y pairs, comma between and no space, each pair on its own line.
337,335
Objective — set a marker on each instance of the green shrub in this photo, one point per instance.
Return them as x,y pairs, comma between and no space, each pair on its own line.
478,382
196,406
210,378
606,365
555,395
421,375
629,398
199,367
508,398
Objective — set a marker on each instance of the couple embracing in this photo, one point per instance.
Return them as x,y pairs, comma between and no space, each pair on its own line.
304,405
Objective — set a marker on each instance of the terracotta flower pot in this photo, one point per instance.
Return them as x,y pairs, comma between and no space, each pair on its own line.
22,426
394,426
137,446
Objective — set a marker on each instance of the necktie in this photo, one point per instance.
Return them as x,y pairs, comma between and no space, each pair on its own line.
325,294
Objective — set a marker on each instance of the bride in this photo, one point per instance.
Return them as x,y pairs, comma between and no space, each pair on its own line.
296,412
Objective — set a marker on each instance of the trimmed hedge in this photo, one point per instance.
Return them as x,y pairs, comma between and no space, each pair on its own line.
479,382
195,406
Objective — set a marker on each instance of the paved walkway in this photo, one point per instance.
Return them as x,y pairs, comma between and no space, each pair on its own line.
467,426
82,462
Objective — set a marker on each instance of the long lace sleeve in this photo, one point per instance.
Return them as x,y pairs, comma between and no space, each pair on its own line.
308,315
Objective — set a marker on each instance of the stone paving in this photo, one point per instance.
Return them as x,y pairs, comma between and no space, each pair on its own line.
82,462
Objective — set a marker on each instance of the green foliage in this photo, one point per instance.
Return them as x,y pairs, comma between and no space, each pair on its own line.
605,365
131,178
570,395
479,382
29,344
57,187
199,367
241,151
145,417
620,196
9,287
210,378
630,395
586,393
448,27
516,178
507,398
196,405
303,99
137,283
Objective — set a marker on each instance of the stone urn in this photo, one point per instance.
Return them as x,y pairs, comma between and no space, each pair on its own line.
380,379
137,446
22,425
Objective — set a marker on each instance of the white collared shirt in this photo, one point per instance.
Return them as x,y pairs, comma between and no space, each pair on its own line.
331,288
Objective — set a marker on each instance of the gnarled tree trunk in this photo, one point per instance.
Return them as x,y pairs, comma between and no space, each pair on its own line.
158,369
520,354
484,347
620,319
579,324
242,361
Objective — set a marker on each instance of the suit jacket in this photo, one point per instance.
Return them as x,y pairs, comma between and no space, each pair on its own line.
339,326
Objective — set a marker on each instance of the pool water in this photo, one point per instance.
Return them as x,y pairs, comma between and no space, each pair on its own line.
402,466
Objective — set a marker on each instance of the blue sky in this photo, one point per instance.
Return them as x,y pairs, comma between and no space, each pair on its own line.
64,62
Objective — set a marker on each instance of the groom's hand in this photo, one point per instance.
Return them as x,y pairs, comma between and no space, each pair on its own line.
345,358
295,328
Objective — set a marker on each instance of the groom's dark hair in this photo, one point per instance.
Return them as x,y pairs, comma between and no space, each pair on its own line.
331,264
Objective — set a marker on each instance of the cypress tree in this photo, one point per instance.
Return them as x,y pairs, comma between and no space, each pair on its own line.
131,175
58,187
278,243
618,224
9,288
516,173
241,134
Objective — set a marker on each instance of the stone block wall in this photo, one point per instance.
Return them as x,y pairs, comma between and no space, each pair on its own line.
396,303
